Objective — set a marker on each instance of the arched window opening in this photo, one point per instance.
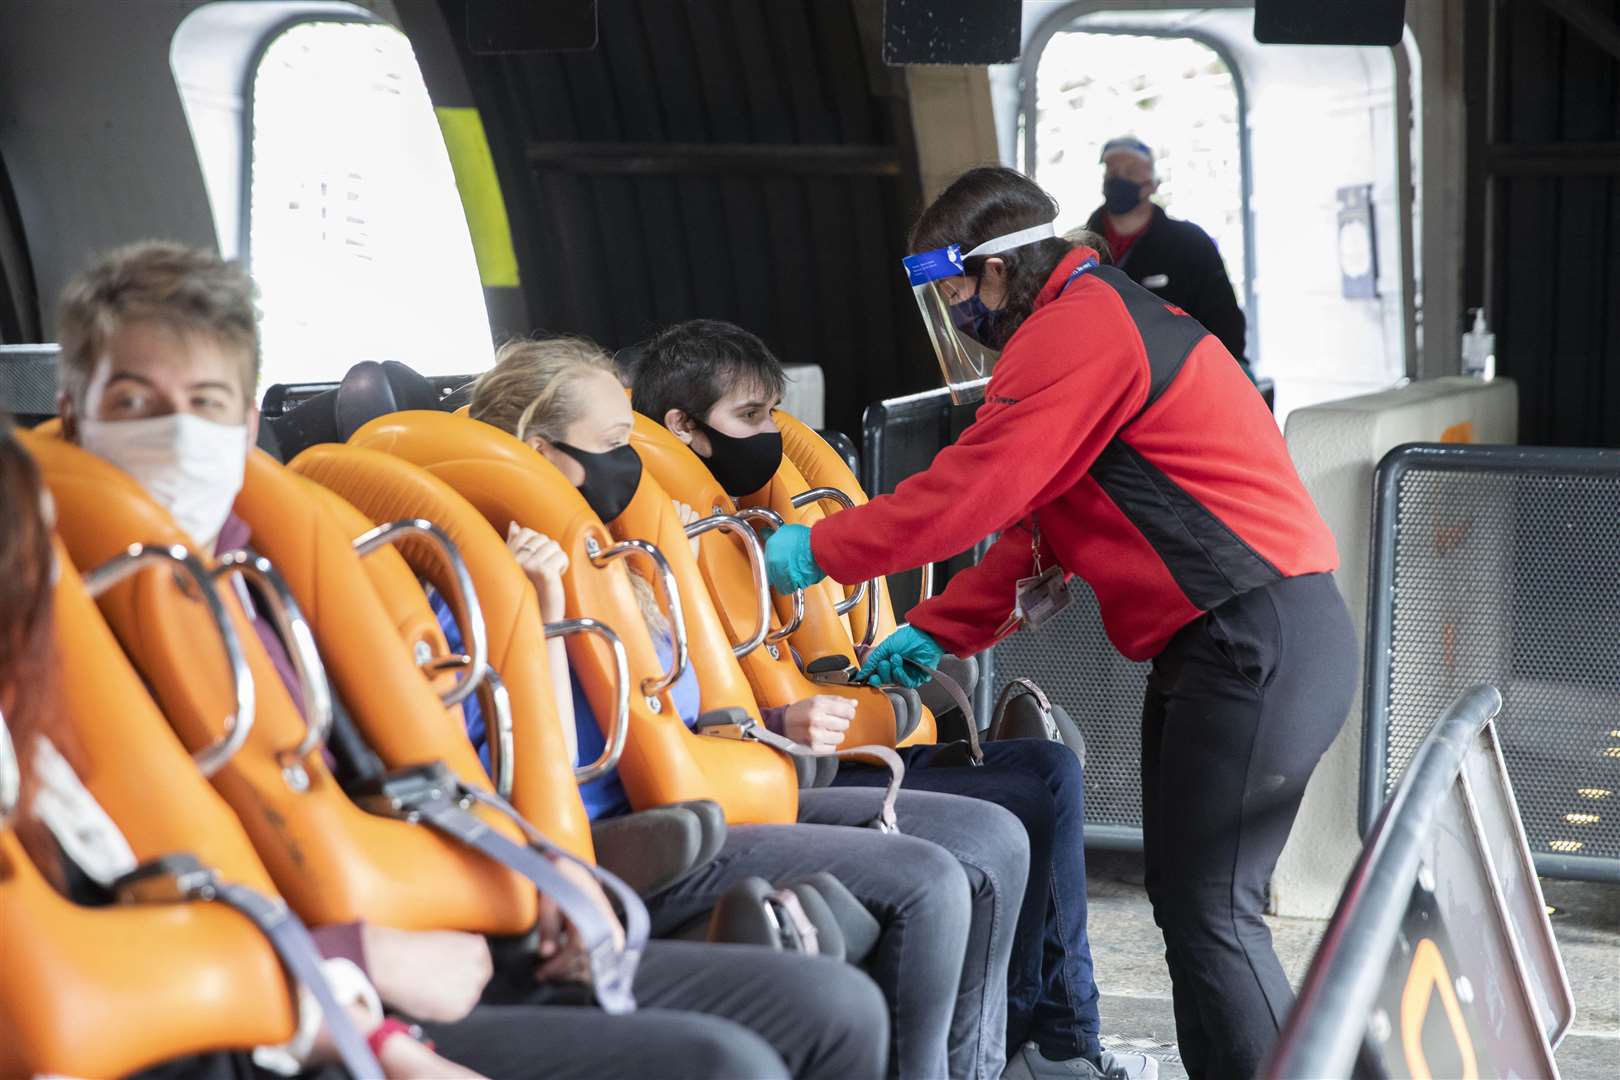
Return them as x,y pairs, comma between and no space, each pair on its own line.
356,235
1175,94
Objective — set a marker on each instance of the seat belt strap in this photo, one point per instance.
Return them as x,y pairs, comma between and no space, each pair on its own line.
302,959
959,698
181,878
432,795
886,820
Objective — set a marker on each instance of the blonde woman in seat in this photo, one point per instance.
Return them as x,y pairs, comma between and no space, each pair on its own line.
561,397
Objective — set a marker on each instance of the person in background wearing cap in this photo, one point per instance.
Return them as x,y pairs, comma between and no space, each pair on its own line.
1175,259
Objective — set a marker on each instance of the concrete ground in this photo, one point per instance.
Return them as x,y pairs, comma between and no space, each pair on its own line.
1136,1012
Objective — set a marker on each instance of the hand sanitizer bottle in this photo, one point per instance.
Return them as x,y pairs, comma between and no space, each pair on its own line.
1479,349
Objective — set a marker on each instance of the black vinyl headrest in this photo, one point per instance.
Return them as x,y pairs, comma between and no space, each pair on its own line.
371,390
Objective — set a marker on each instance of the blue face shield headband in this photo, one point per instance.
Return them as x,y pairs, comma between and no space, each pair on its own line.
960,325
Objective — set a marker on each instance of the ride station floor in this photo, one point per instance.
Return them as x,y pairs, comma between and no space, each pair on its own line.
1136,1012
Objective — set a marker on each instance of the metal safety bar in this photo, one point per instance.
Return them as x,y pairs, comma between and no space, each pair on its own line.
864,589
470,616
295,633
672,604
502,757
752,514
496,703
210,759
10,775
756,560
1328,1024
608,760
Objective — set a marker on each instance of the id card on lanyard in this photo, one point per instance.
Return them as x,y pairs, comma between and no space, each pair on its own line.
1037,598
1044,593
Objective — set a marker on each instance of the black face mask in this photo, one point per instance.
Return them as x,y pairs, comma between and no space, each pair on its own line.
1121,196
743,466
611,478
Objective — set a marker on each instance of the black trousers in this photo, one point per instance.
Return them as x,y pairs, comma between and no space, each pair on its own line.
1240,706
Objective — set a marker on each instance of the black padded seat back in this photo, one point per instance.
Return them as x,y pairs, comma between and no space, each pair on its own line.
307,424
269,442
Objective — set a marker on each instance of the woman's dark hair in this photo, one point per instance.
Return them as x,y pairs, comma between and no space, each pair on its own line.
28,698
985,203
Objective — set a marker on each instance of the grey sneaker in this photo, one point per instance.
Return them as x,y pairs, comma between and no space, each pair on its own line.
1030,1064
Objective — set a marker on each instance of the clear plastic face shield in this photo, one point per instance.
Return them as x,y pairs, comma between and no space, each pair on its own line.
959,323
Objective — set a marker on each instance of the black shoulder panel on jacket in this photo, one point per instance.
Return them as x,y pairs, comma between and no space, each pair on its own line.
1167,334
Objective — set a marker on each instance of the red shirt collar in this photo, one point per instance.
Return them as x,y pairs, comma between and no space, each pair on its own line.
1060,275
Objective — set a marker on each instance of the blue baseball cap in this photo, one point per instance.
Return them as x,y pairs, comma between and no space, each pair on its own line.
1127,144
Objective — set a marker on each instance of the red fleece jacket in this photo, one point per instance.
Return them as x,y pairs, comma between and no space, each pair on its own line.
1149,461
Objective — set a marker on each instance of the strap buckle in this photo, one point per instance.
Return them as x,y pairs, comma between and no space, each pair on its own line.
403,792
168,879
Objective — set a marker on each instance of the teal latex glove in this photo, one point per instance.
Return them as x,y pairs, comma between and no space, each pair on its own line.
788,560
888,662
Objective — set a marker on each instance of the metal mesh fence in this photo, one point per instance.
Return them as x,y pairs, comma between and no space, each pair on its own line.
1502,565
1071,659
28,379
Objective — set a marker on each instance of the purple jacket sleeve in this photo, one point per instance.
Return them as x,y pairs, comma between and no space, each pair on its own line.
342,940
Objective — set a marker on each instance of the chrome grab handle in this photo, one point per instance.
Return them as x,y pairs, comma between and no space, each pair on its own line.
927,582
752,514
609,758
496,702
672,602
502,757
469,617
756,559
210,759
864,589
10,776
295,633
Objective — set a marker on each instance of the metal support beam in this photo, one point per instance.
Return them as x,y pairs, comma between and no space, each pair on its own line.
714,159
1597,26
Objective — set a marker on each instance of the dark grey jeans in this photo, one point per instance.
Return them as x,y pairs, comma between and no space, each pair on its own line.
723,1011
993,850
914,888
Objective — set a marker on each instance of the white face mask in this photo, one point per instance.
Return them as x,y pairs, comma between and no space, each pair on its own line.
191,466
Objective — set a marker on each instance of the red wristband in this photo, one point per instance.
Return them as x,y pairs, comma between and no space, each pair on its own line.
390,1027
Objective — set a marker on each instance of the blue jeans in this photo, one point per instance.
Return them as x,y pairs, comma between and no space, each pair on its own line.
1051,990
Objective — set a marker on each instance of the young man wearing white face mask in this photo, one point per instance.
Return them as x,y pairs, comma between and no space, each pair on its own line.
147,388
160,361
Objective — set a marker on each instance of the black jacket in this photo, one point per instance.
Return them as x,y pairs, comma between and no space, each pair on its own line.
1178,260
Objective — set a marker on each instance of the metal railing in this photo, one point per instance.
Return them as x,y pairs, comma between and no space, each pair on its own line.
1498,564
1427,850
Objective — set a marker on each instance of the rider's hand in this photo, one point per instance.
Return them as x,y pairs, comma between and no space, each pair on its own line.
818,722
562,953
429,974
688,516
545,562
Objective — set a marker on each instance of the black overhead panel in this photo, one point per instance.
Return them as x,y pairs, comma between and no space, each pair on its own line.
1550,185
731,159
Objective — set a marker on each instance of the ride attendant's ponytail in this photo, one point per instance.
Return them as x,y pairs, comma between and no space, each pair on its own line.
985,203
